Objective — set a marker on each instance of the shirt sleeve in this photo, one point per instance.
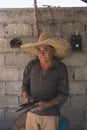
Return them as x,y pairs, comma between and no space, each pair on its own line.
26,78
63,85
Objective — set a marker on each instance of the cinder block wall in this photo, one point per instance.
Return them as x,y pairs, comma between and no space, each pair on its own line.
21,23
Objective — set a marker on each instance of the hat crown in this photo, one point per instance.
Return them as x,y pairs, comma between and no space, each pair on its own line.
43,36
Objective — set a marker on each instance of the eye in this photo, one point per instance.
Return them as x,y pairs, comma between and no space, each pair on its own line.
46,49
38,49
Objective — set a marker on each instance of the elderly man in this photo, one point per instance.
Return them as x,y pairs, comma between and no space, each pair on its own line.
45,80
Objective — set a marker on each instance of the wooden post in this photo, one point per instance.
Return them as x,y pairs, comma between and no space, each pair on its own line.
35,3
36,16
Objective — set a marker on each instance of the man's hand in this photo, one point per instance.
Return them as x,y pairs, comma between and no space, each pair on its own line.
40,106
25,97
43,105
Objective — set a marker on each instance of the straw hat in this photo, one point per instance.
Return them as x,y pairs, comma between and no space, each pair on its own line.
60,45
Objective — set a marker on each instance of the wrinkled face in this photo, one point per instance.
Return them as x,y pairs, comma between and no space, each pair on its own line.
45,53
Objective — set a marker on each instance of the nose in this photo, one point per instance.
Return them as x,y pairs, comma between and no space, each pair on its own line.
42,52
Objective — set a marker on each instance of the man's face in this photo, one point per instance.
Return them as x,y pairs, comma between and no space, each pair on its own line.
45,53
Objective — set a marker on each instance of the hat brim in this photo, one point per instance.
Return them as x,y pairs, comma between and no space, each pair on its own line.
60,45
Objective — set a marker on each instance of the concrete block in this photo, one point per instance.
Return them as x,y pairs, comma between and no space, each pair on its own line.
20,15
77,87
85,115
16,29
2,88
80,15
71,73
76,125
17,59
72,114
12,115
81,74
3,17
2,114
20,100
1,31
9,74
45,16
8,101
1,59
85,102
21,73
13,88
31,39
85,126
5,125
1,44
5,46
72,27
79,59
79,101
84,39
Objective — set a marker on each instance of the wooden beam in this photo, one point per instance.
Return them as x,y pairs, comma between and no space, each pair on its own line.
36,15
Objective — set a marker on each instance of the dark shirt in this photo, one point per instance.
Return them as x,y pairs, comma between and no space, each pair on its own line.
53,83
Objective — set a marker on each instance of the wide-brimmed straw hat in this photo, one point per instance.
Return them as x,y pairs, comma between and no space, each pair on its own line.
60,45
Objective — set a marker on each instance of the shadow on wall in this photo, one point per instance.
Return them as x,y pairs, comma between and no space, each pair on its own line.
19,123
